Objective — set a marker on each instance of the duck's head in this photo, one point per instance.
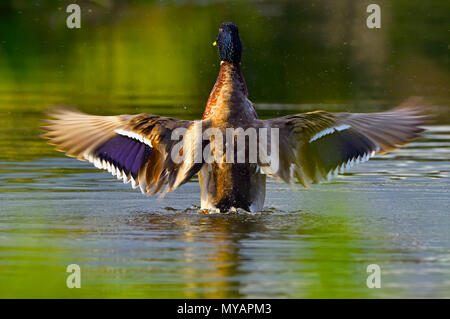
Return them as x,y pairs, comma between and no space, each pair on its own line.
229,43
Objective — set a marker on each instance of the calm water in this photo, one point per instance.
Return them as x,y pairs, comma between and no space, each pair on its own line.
133,57
392,211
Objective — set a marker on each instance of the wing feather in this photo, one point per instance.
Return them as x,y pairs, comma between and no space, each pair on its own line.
315,145
135,148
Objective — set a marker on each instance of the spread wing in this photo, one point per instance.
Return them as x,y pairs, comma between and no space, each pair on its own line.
313,146
135,148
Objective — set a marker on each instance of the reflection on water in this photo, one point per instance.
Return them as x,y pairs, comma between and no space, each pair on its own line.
134,56
392,211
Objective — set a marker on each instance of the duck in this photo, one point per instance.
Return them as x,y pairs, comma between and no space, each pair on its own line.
158,154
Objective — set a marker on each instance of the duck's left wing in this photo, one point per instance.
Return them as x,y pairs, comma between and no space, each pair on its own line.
313,146
141,149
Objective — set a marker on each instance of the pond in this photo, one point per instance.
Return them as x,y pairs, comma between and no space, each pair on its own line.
392,211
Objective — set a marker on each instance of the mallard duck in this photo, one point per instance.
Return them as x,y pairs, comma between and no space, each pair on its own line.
140,149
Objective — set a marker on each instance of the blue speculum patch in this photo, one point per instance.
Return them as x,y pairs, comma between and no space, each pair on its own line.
125,153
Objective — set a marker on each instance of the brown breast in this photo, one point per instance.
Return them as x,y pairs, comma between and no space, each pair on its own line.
228,100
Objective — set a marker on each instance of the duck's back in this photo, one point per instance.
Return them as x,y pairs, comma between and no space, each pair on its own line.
229,183
224,186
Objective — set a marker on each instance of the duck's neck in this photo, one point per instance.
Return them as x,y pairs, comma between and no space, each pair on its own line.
229,94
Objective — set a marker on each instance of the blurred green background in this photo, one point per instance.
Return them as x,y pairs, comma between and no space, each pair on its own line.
156,57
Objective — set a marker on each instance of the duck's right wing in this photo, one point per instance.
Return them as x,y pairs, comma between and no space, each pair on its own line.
315,145
144,149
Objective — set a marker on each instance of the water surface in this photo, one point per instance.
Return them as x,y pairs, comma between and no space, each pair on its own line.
130,57
392,211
